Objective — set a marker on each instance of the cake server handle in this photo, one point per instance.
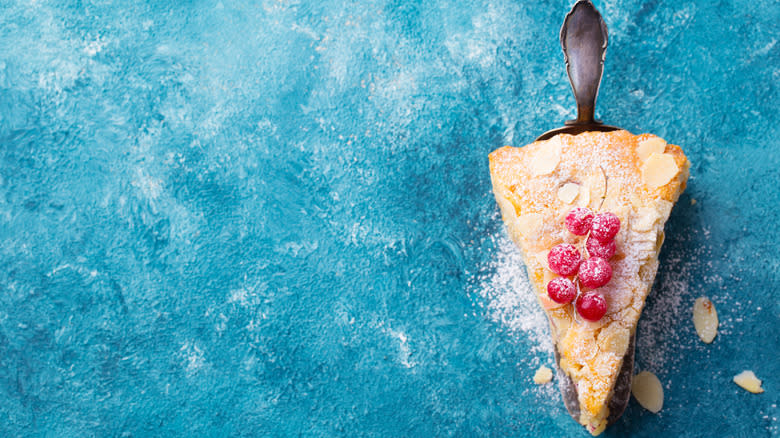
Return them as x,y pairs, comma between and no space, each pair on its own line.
584,43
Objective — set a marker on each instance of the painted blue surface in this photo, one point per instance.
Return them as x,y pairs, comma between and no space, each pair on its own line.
274,218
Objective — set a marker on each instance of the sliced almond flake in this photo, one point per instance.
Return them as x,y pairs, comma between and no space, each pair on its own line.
543,375
659,169
650,146
568,192
547,157
705,319
647,390
748,381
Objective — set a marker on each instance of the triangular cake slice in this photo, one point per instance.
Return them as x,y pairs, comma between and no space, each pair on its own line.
636,177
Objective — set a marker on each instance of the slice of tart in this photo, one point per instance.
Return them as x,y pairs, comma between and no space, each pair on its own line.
636,178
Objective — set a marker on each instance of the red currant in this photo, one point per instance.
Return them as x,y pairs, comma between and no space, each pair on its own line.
605,226
561,290
604,250
564,259
579,220
592,305
595,272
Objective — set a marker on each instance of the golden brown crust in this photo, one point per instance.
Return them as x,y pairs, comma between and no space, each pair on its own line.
637,177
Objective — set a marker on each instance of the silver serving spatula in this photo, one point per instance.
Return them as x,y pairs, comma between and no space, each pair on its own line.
584,43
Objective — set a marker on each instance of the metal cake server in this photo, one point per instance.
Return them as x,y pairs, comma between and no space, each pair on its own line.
584,43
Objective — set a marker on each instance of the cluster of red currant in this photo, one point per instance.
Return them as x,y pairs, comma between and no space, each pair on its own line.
591,273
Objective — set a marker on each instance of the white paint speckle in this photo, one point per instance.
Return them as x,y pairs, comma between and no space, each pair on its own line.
193,357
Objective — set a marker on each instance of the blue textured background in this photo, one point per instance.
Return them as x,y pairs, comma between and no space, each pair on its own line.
275,218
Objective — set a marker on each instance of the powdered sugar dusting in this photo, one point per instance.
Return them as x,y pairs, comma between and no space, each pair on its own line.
658,337
509,300
509,297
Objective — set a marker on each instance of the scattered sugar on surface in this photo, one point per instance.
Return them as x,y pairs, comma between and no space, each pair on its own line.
508,299
656,337
669,307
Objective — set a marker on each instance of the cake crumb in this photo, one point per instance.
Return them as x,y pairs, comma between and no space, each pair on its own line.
543,375
693,201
